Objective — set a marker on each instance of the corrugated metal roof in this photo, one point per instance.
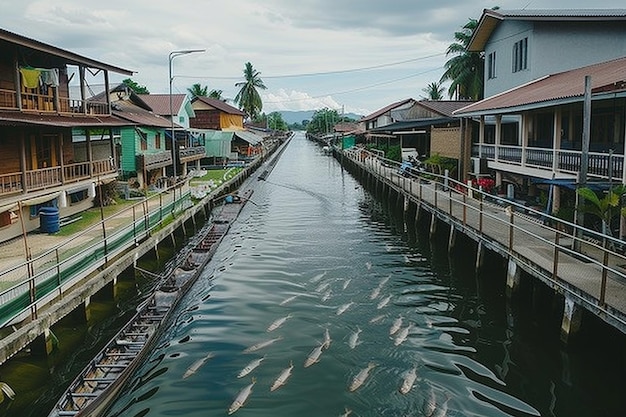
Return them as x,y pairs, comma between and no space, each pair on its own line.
160,103
135,114
70,57
385,109
444,107
16,118
220,105
408,125
251,138
605,76
490,19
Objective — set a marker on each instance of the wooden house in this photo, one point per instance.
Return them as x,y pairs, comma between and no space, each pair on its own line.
55,149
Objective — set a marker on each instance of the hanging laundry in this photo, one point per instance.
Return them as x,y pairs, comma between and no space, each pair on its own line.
30,77
50,77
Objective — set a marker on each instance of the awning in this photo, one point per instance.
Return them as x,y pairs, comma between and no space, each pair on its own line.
9,207
40,200
249,137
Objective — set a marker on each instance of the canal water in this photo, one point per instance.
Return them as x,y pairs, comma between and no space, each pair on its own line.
314,253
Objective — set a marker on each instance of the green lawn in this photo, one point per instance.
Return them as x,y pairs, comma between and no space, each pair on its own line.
92,216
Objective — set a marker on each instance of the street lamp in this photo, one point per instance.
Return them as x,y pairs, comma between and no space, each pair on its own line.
173,55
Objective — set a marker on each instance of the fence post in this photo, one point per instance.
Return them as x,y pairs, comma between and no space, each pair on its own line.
555,267
511,228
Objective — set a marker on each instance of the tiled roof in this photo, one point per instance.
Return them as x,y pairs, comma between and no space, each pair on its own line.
17,118
490,19
220,105
385,109
160,103
567,85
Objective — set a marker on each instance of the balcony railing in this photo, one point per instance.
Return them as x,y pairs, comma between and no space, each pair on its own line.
51,177
601,165
45,103
192,153
154,160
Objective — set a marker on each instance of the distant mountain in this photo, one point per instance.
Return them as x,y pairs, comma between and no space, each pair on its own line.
291,117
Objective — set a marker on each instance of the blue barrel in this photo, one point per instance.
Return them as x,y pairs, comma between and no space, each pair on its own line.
49,220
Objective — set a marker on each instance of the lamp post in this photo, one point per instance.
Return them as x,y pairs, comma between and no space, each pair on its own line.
173,55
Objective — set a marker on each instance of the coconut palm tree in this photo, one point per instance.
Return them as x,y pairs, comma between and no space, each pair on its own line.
248,97
464,69
217,94
434,91
197,90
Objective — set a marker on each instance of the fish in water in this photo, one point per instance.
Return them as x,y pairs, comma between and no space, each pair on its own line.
327,295
318,277
377,318
368,265
354,338
409,380
384,302
314,356
241,398
282,378
288,300
346,283
346,413
360,378
277,323
197,364
250,367
327,340
261,345
402,335
442,409
397,323
375,293
344,307
322,287
430,403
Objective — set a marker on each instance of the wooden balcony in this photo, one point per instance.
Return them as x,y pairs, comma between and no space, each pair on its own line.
192,153
154,161
602,165
46,103
18,182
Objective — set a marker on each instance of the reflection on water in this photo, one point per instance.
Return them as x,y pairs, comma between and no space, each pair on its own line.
314,294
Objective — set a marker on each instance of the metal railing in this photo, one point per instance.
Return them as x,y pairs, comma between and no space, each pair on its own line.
40,279
594,272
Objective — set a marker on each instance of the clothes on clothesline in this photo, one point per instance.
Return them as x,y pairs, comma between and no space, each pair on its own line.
34,77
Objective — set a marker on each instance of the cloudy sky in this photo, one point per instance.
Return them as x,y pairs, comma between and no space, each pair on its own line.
351,55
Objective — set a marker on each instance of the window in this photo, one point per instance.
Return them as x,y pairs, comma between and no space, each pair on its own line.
520,55
143,140
157,141
491,65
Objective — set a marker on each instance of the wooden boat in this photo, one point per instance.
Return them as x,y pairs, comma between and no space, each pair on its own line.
98,384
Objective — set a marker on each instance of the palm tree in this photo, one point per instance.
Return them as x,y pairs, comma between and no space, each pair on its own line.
217,94
434,91
198,90
465,69
248,97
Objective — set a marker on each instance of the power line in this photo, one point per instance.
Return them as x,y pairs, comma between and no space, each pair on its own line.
315,74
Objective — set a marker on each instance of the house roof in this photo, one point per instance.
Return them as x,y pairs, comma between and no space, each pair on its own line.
559,88
490,19
252,138
133,113
408,125
69,57
17,118
385,109
219,105
444,107
160,103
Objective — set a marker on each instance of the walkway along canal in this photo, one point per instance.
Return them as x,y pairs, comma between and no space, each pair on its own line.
327,300
579,264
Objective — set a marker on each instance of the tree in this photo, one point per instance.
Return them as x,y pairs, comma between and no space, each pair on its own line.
464,69
323,121
217,94
248,97
138,89
434,91
605,208
275,121
198,90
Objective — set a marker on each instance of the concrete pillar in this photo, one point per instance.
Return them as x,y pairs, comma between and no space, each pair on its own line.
572,318
433,225
43,344
480,256
513,277
451,239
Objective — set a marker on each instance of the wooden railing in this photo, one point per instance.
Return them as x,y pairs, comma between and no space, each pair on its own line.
601,164
154,160
192,153
8,99
49,177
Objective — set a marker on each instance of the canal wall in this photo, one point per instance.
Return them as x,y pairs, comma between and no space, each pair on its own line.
34,332
568,306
